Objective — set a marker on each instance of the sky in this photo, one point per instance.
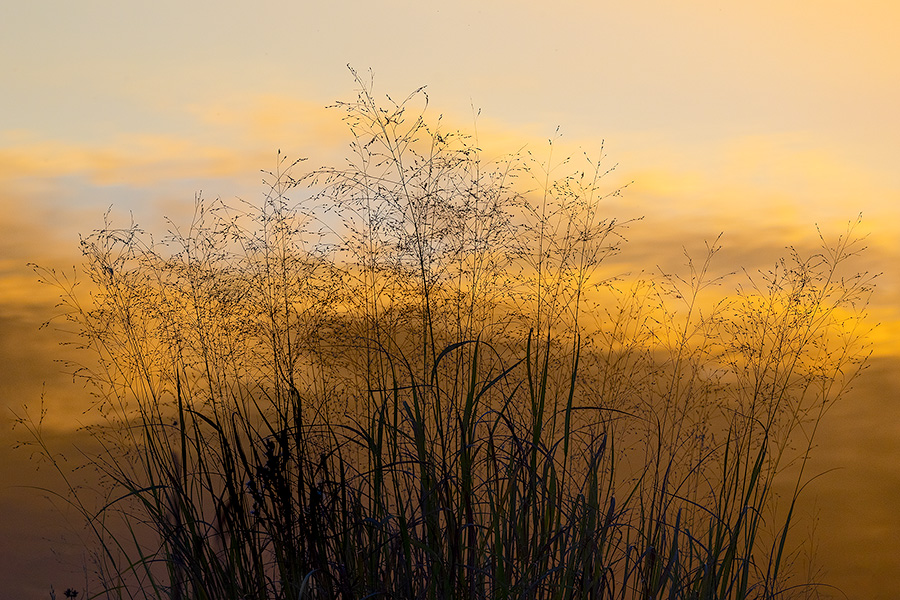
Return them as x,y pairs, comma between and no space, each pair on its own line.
761,120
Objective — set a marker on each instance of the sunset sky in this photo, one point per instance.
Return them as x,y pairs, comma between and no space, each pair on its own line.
759,119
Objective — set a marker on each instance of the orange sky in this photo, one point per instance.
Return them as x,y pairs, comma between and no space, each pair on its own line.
757,119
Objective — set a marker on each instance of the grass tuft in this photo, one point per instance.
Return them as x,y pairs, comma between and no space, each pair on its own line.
407,378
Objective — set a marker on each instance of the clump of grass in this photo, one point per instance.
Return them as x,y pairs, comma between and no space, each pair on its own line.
410,381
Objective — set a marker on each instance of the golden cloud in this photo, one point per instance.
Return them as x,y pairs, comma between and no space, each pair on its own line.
277,121
765,192
139,160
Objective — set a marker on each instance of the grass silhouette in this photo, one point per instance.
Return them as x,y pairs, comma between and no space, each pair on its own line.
414,382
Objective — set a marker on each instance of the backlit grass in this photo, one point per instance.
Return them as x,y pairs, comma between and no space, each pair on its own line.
406,377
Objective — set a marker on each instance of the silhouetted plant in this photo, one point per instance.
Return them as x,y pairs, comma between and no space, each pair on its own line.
410,381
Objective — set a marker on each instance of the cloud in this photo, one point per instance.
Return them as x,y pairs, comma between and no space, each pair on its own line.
277,120
764,192
136,159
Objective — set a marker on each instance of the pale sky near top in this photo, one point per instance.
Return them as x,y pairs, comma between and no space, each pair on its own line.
699,70
685,72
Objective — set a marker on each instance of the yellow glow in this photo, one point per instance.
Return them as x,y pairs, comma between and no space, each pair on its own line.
273,119
136,160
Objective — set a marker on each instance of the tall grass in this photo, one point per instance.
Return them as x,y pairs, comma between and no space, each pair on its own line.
407,377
